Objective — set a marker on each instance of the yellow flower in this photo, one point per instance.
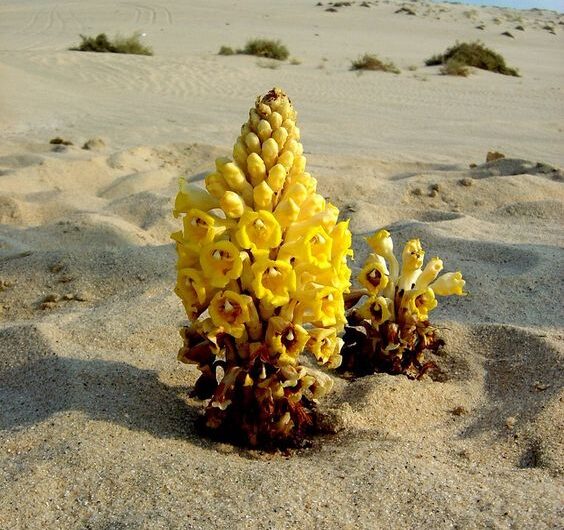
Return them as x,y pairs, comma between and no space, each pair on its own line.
216,185
221,262
420,303
376,309
313,205
258,231
322,306
273,281
318,383
201,228
192,196
412,260
342,240
188,254
286,212
448,284
297,192
285,339
383,245
314,246
192,289
325,219
429,273
412,255
306,180
230,311
326,346
374,274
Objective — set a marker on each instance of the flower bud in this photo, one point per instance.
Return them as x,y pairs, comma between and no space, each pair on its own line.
256,169
232,204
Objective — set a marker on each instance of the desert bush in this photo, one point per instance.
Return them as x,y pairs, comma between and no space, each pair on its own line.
474,54
370,61
454,67
267,48
119,44
226,50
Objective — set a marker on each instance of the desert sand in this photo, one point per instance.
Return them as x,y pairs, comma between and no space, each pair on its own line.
97,429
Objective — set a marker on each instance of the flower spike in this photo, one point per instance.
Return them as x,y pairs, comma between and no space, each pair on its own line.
262,272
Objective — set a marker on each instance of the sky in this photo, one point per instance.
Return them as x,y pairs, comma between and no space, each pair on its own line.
556,5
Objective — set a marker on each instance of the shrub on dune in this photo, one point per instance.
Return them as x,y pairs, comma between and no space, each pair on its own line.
102,44
370,61
454,67
473,54
267,48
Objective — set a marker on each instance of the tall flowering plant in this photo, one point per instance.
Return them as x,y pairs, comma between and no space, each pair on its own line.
262,273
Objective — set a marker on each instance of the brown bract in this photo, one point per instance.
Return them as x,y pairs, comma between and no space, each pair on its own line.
391,347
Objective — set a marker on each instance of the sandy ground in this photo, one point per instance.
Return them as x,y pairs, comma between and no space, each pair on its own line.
96,426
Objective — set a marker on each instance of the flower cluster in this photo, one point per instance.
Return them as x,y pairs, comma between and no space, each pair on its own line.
388,328
262,271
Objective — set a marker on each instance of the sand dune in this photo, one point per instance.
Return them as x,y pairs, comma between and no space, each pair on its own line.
97,429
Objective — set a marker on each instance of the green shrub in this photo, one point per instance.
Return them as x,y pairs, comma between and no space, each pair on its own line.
454,67
269,49
102,44
225,50
372,62
474,54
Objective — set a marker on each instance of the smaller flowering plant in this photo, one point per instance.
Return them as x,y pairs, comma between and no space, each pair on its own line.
388,328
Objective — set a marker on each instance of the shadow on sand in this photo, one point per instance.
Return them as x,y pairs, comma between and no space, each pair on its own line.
104,390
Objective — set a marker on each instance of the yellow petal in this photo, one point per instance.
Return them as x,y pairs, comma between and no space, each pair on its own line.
193,196
325,346
374,274
232,204
274,281
449,284
286,212
229,311
376,309
430,272
258,231
216,185
221,262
